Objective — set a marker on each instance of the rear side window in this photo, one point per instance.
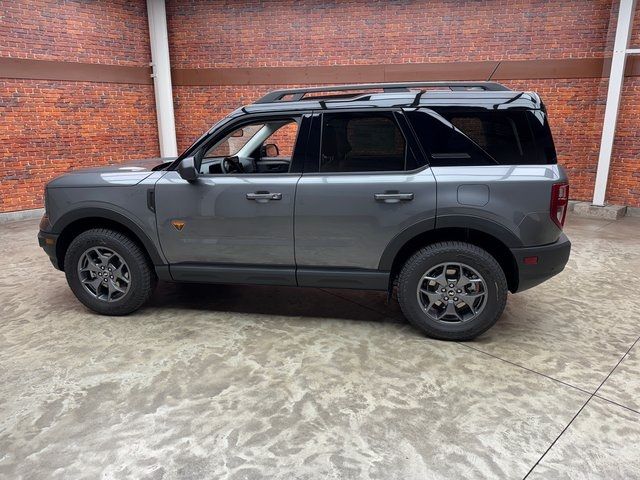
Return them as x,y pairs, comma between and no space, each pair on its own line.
446,145
362,142
483,137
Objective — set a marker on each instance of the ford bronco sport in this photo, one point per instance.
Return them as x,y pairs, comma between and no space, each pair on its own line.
448,191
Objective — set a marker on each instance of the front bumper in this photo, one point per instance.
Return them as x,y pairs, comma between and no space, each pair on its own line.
48,241
551,260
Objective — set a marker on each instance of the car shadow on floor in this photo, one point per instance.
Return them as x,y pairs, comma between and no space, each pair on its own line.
276,300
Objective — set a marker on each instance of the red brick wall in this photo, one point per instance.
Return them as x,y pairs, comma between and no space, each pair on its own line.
48,127
624,176
113,32
635,33
320,32
296,33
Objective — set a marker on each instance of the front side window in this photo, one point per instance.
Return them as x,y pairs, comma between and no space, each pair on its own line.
362,142
260,147
234,141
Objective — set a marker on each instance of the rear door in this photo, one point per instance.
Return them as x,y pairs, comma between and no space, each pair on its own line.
364,183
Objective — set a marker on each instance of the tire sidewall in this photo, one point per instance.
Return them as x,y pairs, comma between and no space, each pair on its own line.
490,272
77,248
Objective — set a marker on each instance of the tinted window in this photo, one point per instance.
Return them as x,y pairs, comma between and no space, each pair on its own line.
478,137
542,136
446,145
361,142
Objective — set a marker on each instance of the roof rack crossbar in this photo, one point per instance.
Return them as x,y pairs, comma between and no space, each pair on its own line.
298,94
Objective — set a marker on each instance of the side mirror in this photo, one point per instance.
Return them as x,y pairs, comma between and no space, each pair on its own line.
187,169
269,150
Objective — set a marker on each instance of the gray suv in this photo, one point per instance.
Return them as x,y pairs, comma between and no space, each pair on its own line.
448,192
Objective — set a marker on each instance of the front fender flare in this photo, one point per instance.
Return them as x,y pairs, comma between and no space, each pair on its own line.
114,216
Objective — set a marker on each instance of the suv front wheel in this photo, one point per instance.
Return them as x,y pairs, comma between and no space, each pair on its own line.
452,290
108,272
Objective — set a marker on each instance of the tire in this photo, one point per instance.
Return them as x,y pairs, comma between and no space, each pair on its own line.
137,278
486,290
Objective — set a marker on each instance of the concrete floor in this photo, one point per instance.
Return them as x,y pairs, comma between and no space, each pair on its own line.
239,382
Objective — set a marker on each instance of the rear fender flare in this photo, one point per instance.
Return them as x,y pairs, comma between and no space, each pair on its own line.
483,225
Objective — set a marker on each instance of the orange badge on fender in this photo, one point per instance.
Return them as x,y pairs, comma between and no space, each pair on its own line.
179,224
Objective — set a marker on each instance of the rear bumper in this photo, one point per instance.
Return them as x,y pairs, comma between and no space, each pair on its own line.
48,242
552,259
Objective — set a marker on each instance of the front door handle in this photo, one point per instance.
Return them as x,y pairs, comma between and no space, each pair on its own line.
263,197
393,197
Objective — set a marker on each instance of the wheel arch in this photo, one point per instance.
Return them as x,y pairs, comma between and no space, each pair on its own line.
491,239
72,224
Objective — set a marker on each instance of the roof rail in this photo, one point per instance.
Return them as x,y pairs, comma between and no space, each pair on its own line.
298,94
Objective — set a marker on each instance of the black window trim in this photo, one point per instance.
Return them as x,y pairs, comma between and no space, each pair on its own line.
297,158
312,167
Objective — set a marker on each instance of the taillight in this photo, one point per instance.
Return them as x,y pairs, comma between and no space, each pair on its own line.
559,203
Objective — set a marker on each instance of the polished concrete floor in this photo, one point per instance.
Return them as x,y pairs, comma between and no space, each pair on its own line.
260,382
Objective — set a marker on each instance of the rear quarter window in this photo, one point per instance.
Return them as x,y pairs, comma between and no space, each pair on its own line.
480,137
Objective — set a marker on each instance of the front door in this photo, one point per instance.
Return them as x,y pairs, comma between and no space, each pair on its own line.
234,224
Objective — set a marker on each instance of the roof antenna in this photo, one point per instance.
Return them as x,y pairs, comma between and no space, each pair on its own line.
494,71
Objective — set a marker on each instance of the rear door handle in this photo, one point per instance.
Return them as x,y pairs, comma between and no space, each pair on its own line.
263,197
393,197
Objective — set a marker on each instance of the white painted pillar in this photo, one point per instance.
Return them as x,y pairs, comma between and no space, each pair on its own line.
162,77
616,79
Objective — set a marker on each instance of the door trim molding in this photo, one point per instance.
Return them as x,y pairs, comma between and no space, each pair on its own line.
353,278
233,274
359,279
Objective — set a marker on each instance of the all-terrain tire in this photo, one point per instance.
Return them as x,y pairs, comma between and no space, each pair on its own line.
141,274
435,254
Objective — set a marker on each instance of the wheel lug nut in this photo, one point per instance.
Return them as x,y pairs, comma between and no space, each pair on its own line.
459,291
443,290
446,298
451,285
455,299
110,276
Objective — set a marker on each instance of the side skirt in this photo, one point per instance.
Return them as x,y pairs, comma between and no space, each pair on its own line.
243,274
276,275
359,279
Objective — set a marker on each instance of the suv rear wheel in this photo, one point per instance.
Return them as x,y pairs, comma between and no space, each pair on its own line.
108,272
452,290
